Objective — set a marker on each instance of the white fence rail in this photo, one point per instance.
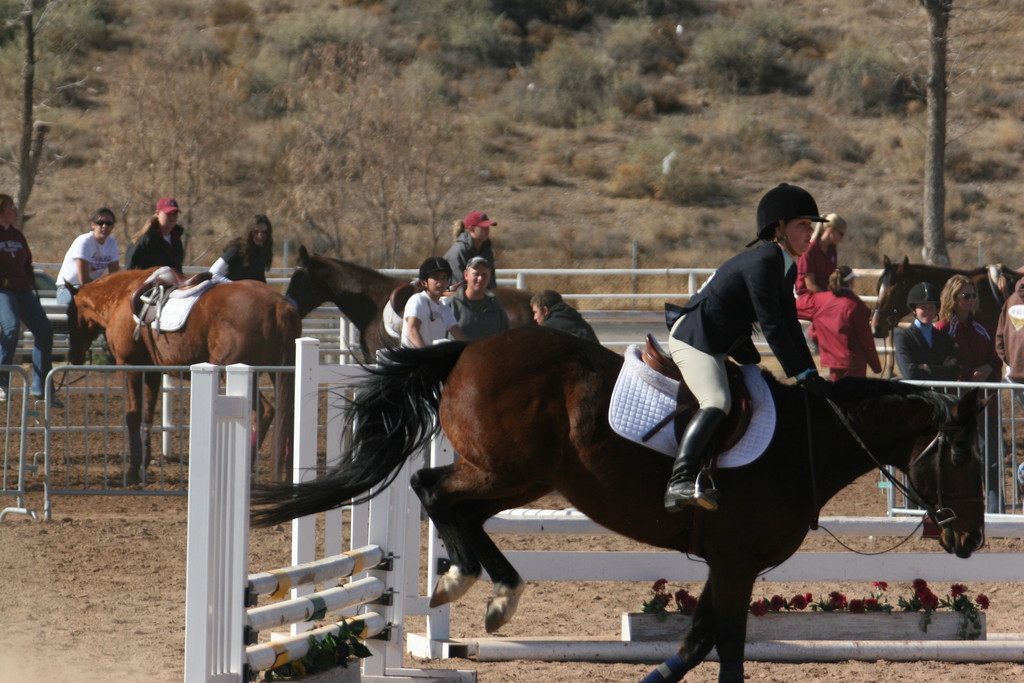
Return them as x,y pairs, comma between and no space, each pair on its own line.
615,327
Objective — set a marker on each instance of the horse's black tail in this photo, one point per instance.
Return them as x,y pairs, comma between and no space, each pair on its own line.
393,415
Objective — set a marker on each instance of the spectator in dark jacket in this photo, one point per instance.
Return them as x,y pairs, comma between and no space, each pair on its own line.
923,352
472,238
249,256
159,242
549,310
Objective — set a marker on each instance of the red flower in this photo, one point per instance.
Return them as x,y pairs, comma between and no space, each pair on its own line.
957,589
928,599
857,606
880,585
870,605
799,601
837,600
982,601
919,585
759,608
778,603
808,597
686,602
659,585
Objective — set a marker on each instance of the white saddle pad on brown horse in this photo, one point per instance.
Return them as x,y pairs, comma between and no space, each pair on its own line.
643,397
173,311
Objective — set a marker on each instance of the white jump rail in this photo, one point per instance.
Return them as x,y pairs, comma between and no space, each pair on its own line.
216,618
403,524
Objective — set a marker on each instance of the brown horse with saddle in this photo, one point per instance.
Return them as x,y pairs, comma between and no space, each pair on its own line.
547,428
231,322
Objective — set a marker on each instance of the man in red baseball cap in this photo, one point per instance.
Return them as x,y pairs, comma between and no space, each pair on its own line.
472,239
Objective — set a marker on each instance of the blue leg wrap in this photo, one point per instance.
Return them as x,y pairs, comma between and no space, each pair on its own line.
671,670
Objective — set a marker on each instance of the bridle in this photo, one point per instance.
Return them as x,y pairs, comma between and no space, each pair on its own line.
891,316
939,512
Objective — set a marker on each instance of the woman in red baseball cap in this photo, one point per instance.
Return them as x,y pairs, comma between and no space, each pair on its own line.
472,238
159,242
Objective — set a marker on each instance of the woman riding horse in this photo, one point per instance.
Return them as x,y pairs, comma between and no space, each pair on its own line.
755,286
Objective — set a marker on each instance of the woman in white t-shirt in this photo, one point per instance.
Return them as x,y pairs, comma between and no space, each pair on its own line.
426,319
91,255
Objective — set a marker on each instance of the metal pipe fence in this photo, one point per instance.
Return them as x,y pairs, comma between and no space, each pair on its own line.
81,447
19,410
620,315
1000,440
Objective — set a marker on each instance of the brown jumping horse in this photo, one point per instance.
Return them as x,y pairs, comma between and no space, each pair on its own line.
360,293
237,322
545,428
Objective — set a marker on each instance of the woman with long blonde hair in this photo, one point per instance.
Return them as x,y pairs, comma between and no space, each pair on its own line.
976,351
975,343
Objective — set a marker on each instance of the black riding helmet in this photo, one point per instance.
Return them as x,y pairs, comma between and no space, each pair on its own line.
784,203
922,293
435,264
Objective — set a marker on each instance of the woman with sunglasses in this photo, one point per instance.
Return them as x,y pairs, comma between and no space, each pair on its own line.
979,362
248,257
92,255
975,344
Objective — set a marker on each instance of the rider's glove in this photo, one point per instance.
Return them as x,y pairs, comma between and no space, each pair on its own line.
816,385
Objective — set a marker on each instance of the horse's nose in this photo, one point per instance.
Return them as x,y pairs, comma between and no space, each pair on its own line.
963,544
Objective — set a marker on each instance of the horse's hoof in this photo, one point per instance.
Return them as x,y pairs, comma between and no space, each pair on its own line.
502,607
451,586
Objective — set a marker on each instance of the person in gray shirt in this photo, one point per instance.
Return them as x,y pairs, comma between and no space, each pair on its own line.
478,311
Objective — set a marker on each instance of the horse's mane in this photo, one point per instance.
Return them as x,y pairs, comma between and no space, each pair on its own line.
889,271
360,270
855,393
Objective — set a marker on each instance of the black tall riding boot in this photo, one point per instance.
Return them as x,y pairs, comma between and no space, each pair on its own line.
693,450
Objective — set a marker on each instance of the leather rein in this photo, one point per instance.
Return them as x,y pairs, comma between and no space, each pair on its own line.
939,513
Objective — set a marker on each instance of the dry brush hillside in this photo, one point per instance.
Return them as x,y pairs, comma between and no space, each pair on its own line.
365,128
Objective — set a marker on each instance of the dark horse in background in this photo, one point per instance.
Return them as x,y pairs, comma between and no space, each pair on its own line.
992,283
545,428
360,293
234,322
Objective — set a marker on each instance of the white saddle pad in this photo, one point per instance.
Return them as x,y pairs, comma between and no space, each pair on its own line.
392,321
642,397
176,309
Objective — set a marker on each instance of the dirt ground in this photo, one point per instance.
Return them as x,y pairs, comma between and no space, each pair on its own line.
98,594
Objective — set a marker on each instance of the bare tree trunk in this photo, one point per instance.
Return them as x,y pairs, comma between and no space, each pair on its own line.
32,132
935,151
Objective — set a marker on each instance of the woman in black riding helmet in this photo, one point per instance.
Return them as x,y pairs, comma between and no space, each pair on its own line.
754,287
